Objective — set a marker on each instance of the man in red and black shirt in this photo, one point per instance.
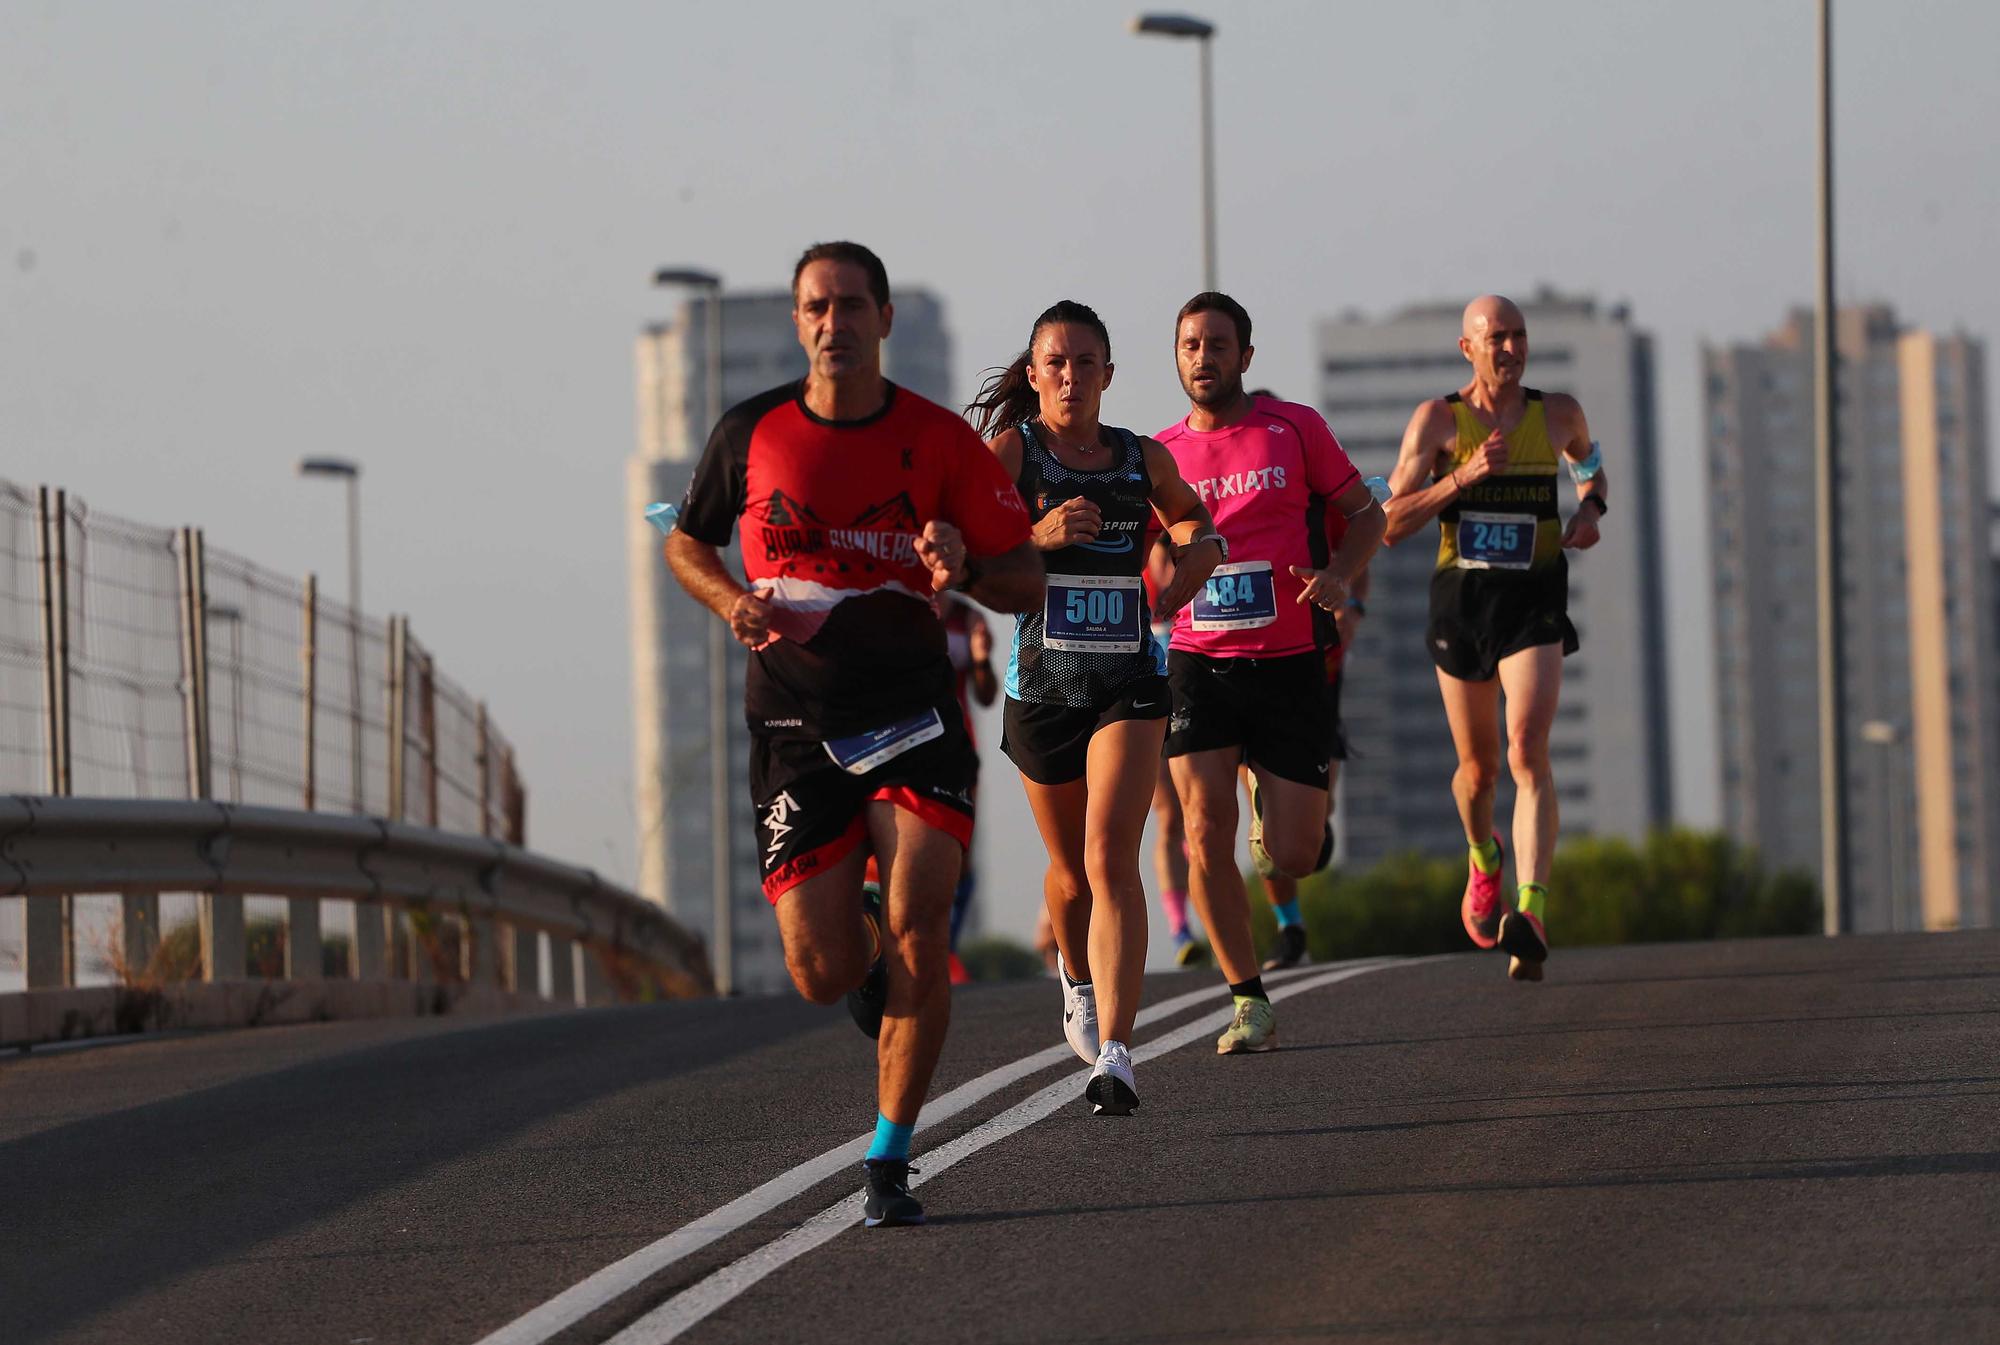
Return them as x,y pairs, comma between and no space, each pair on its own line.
859,502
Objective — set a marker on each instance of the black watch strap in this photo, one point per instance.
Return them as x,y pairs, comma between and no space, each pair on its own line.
1598,500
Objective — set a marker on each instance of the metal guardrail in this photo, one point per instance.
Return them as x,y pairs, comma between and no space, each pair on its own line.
492,902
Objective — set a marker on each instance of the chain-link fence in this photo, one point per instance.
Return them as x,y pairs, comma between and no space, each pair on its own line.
136,663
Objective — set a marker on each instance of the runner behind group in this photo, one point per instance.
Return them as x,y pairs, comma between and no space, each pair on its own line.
1280,889
1087,695
1246,667
859,501
969,641
1482,461
1170,857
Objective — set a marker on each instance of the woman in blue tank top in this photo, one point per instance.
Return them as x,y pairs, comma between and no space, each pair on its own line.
1087,696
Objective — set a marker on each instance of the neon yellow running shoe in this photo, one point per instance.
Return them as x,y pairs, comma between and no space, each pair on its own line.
1255,1028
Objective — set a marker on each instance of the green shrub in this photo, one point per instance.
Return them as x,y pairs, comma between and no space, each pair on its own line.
1680,884
997,959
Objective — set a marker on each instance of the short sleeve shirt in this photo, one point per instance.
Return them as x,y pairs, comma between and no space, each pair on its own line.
830,513
1268,480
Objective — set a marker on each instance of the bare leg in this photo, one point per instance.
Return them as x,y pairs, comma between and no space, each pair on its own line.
1473,709
1120,788
1170,860
827,946
1060,817
1283,888
1206,782
1294,821
920,869
1532,679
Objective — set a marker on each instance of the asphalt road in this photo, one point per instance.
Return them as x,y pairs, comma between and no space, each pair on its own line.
1758,1141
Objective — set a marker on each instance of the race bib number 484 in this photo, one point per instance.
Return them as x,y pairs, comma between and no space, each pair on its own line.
1239,596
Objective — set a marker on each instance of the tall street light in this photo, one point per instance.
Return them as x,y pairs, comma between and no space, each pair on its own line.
1182,25
709,285
339,468
1838,910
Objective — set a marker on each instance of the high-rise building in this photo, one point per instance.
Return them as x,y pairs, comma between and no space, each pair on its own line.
1921,720
672,635
1610,741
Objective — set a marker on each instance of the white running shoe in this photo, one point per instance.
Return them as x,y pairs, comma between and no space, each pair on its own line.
1111,1091
1079,1014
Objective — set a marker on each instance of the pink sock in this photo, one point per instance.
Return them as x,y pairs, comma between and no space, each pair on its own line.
1174,902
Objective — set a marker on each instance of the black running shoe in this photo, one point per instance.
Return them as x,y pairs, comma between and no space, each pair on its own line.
889,1203
867,1001
1290,949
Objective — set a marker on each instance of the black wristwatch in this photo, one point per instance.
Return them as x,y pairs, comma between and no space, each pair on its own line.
1598,500
974,572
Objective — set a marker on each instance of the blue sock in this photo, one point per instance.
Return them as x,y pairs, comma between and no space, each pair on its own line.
892,1141
1288,914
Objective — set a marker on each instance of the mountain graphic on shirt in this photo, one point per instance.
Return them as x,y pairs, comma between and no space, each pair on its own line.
785,512
897,514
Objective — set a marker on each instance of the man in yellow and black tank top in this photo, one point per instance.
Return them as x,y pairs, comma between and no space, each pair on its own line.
1483,462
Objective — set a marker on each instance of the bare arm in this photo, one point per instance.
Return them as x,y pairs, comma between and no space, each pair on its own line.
1571,432
1187,518
1012,581
1366,523
979,636
1414,499
699,568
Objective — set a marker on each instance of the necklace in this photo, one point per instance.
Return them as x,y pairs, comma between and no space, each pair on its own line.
1080,450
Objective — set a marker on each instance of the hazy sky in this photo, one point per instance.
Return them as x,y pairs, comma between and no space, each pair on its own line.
420,235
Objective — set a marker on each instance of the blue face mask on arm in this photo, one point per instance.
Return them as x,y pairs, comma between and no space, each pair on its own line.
1591,465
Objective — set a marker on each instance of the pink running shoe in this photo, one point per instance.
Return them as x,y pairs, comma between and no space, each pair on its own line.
1481,909
1522,935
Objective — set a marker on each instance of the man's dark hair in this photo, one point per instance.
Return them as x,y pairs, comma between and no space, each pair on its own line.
854,253
1213,301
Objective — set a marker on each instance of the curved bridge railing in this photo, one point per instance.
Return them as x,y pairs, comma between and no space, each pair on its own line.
442,921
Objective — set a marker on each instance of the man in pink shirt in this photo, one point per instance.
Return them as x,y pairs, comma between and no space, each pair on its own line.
1246,665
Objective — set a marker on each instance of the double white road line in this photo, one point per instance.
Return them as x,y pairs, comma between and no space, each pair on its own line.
687,1308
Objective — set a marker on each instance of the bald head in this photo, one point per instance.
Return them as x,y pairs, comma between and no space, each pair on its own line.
1494,337
1488,311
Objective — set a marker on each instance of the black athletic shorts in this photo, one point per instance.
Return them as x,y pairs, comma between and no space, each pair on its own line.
1336,746
1051,743
1275,709
811,813
1479,617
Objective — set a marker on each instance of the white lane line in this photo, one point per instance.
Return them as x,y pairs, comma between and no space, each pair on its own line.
689,1307
588,1295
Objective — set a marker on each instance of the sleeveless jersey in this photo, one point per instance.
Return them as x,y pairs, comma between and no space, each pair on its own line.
1508,522
1091,635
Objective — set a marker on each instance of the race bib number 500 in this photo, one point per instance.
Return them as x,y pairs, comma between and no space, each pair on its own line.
1093,614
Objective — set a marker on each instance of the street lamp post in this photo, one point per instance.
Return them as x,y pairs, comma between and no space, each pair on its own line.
1886,737
1839,906
340,468
1203,32
708,284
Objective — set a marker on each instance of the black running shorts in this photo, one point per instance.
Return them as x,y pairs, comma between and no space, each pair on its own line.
1276,710
1479,617
1051,743
812,813
1337,741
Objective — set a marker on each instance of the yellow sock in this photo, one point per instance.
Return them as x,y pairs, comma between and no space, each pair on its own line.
1486,856
1532,898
